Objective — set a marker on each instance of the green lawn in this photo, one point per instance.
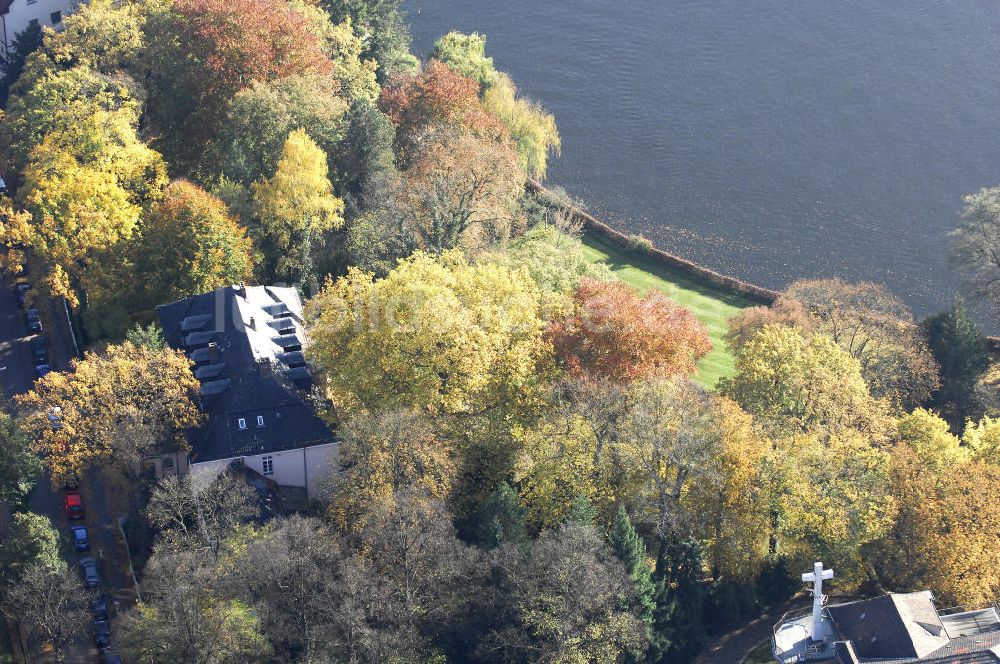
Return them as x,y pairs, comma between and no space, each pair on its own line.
711,305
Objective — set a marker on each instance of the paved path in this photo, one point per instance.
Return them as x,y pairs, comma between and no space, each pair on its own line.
732,647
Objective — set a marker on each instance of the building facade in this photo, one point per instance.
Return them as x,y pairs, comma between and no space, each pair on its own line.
246,344
17,15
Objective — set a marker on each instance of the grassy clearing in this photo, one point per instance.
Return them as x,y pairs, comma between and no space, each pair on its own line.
711,305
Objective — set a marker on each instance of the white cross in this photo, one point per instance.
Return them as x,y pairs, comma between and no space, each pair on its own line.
817,576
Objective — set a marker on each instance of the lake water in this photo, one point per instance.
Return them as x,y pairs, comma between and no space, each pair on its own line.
768,139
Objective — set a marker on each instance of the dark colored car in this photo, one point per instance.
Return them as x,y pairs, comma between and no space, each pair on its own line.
81,542
39,351
108,656
40,354
22,292
89,568
102,633
33,320
99,607
73,506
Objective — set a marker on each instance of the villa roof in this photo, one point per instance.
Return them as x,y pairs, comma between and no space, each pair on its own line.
891,626
246,343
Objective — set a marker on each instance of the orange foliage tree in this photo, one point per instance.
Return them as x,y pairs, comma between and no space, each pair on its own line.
615,334
437,96
207,50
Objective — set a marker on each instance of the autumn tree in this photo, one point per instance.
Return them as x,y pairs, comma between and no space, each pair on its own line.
435,333
295,206
202,52
438,96
84,186
532,128
381,26
189,244
420,569
381,455
116,407
201,510
982,440
835,501
19,466
793,384
555,259
975,245
615,334
184,617
568,598
294,574
946,537
261,116
461,190
734,507
876,328
555,468
928,436
353,74
666,445
49,603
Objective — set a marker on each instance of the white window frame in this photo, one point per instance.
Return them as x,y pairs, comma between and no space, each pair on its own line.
241,423
260,420
267,464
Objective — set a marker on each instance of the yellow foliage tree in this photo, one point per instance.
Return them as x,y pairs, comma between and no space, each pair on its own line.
555,468
435,333
532,128
792,384
734,504
84,186
295,205
982,439
381,456
929,436
947,535
835,500
119,407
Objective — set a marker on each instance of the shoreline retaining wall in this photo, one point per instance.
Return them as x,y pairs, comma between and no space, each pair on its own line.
599,229
614,237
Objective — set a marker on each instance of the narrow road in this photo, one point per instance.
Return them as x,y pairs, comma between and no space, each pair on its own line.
17,375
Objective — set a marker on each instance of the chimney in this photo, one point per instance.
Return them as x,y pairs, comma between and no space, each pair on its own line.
241,290
253,323
265,367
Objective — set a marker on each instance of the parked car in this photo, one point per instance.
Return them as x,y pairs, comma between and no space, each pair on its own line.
72,482
22,292
33,320
89,568
73,505
108,656
102,634
81,542
39,350
99,607
40,353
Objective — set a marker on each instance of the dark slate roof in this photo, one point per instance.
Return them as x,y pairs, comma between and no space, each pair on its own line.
235,386
891,626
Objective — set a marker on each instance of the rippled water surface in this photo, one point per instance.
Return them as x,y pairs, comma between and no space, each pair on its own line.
770,139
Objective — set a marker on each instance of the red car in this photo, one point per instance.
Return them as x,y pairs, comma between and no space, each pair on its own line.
73,506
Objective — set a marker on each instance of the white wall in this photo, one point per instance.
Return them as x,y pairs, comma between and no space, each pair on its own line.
310,467
21,12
